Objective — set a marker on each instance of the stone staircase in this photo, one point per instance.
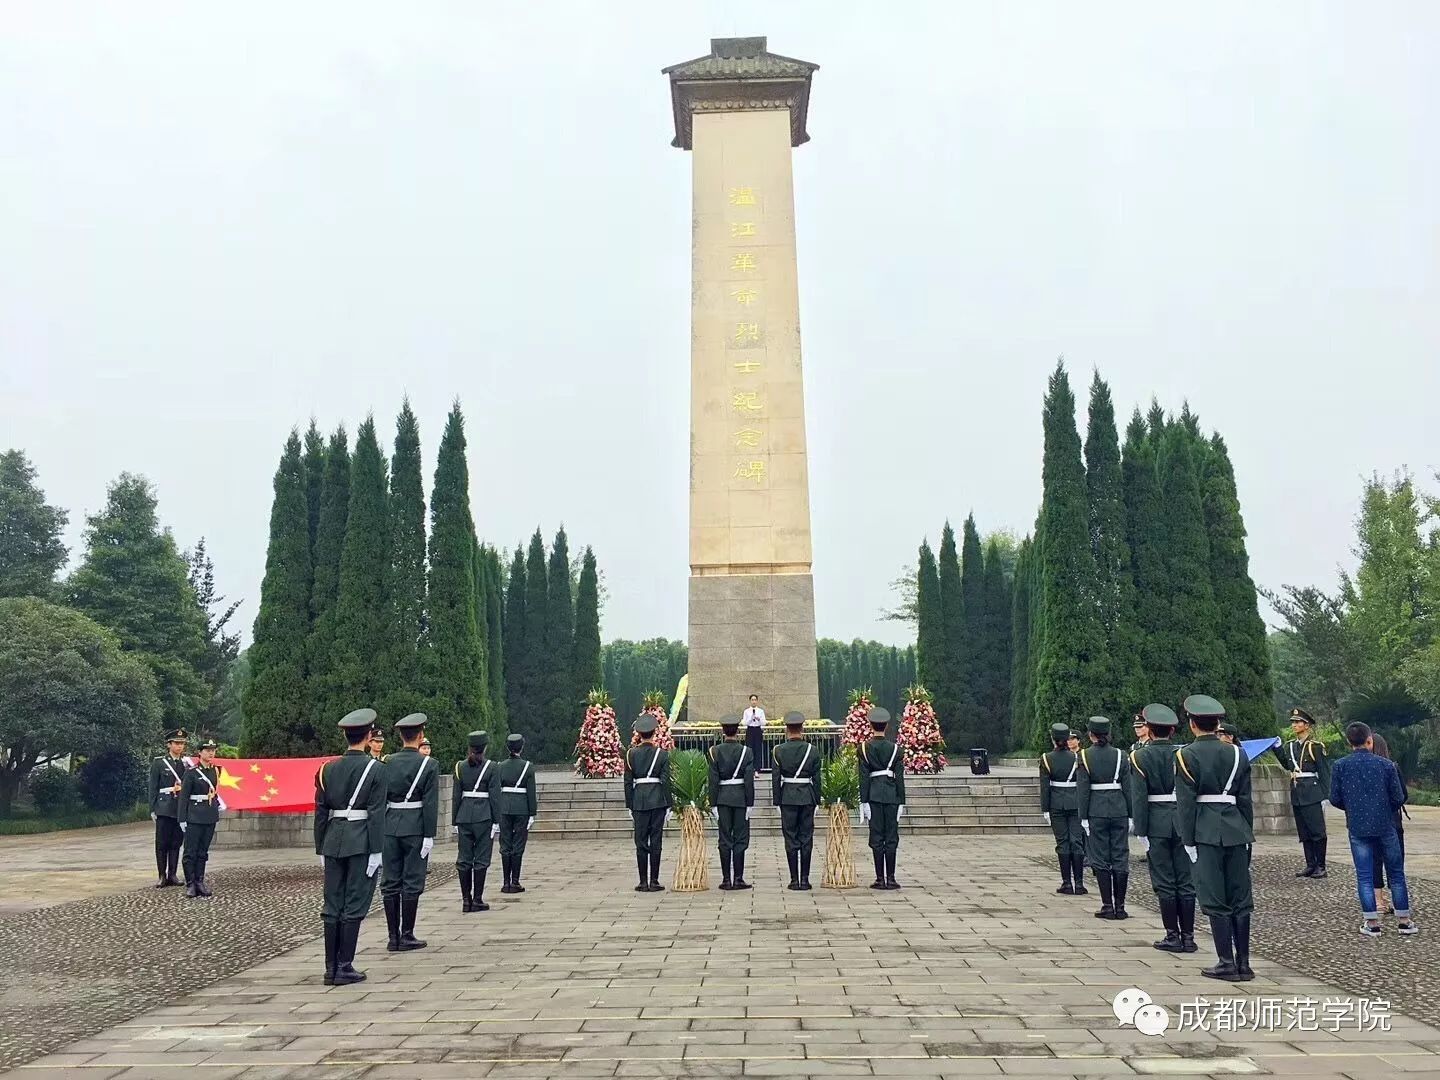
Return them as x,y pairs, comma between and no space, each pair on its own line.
952,802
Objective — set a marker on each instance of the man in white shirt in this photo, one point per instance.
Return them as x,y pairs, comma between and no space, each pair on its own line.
755,733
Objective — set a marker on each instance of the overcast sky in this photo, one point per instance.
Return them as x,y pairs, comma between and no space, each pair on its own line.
219,220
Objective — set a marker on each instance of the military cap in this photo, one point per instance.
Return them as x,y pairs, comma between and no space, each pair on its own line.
360,718
515,742
1157,715
377,732
879,717
1140,720
1228,727
646,723
209,744
478,740
1301,715
1203,705
1059,731
178,735
1098,725
1074,734
730,723
794,718
411,722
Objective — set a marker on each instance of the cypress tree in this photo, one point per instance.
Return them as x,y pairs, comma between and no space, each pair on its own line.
975,679
564,712
1072,663
494,578
1197,657
362,613
534,662
587,629
1021,718
947,688
455,657
1039,730
1241,630
314,482
329,544
1144,532
995,635
517,707
276,723
1122,691
931,652
405,574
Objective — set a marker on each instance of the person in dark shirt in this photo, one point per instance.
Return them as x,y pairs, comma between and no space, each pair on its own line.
1383,904
1368,788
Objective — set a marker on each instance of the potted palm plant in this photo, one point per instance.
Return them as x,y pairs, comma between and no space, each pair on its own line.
839,793
690,791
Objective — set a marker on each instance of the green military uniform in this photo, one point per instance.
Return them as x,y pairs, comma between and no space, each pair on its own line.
795,789
1153,800
732,800
882,796
1215,818
198,811
412,813
167,772
647,797
1309,767
349,833
472,796
1059,802
1103,803
515,801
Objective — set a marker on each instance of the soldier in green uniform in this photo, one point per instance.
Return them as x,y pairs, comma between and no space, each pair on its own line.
1305,759
1103,787
1215,816
472,796
647,797
732,801
882,796
795,789
412,813
1059,801
349,835
516,803
167,772
197,812
1152,797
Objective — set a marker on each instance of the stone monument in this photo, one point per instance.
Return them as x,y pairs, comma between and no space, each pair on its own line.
740,110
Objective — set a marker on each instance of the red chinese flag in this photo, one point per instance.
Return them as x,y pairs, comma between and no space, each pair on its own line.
269,784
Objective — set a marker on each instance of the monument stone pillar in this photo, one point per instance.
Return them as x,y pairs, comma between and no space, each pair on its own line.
740,110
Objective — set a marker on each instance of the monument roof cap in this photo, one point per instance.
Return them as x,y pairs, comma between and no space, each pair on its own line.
738,75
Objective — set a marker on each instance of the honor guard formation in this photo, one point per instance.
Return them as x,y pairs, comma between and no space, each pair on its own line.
185,806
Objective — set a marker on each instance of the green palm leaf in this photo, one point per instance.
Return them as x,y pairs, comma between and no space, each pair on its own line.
840,779
690,780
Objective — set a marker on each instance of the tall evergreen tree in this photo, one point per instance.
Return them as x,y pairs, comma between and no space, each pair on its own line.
516,705
976,680
314,481
1241,630
493,578
949,680
405,574
995,632
459,687
1069,675
1144,532
1123,690
1197,656
135,582
31,551
931,653
564,712
221,646
329,543
362,612
587,629
1021,702
534,689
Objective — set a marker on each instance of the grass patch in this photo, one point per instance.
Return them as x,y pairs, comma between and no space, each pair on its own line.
23,824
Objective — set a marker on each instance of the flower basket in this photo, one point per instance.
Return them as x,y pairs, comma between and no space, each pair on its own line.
599,753
690,792
920,738
654,704
857,719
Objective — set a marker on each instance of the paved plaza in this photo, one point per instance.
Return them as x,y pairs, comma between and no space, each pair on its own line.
975,968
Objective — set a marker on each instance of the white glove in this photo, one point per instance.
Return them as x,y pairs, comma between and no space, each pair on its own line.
864,812
183,825
372,865
668,815
321,858
1325,803
715,813
1132,826
749,810
494,831
221,804
1086,826
1145,844
1193,853
425,846
530,824
899,811
1047,817
454,830
152,817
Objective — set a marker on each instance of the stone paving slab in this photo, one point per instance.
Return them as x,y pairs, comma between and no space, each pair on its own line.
975,968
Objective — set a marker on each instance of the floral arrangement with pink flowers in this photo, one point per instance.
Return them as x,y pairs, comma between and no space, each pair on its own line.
599,753
654,704
856,731
920,738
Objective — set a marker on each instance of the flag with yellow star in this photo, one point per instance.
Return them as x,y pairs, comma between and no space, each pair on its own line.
269,784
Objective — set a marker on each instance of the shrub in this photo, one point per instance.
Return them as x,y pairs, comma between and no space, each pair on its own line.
113,779
53,790
689,780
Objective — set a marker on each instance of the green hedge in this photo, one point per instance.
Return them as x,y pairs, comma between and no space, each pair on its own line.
25,825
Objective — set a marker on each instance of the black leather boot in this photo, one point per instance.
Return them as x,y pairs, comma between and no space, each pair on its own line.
1186,911
740,882
1221,930
409,908
346,942
192,884
879,882
515,861
392,921
1107,896
1066,888
1308,846
890,882
805,869
505,865
465,887
1240,925
655,885
725,883
1120,883
642,865
792,859
1077,872
1170,916
201,889
1320,846
479,904
331,932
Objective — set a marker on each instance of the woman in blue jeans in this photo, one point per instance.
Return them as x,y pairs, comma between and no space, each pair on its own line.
1368,788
